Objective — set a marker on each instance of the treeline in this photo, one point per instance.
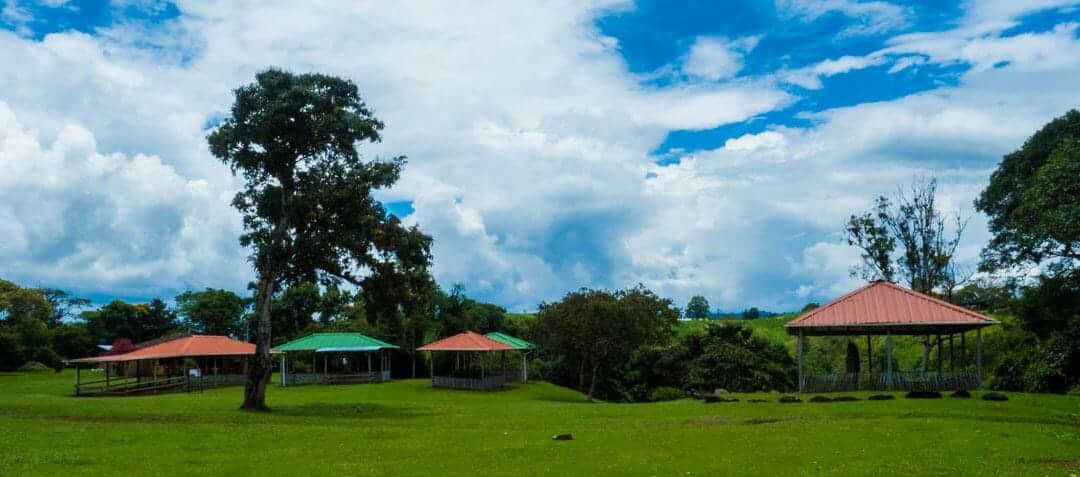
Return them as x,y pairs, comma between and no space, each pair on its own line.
47,326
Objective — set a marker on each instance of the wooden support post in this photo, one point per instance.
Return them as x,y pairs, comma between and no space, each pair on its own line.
888,361
963,349
283,370
869,356
800,352
978,357
940,360
78,379
431,363
952,355
926,353
325,361
107,375
368,362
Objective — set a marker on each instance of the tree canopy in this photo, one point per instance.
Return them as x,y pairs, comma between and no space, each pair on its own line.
212,311
1033,200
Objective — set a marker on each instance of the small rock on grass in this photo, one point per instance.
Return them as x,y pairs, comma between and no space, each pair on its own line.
995,397
881,397
962,393
789,399
562,437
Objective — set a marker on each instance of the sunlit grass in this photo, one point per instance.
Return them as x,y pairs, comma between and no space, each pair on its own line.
405,427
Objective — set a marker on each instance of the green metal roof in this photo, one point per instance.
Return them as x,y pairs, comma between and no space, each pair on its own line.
513,341
335,341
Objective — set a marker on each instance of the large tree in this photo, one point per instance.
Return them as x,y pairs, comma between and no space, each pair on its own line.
212,311
595,329
1033,201
135,321
306,203
697,308
927,239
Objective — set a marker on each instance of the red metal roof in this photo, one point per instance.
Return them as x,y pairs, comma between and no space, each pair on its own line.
467,341
187,346
882,303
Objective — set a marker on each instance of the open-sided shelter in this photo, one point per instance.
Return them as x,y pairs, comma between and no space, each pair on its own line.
467,345
178,363
522,347
886,309
348,348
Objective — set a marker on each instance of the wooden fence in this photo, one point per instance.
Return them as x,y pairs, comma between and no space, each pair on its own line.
906,381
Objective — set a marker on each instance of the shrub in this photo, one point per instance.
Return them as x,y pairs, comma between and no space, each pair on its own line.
881,397
34,367
995,397
820,399
666,394
962,393
923,395
789,399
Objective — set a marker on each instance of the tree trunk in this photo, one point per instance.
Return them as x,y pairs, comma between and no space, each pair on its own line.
259,370
592,384
581,376
412,357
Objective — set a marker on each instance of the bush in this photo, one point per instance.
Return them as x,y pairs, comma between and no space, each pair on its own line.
820,399
923,395
666,394
34,367
881,397
963,394
995,397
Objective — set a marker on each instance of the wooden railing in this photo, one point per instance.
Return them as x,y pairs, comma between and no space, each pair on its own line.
131,386
479,384
900,381
295,379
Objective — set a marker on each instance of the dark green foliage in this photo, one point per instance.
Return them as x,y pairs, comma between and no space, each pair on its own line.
697,308
923,395
821,399
666,394
881,397
456,313
213,312
594,331
961,394
73,340
787,399
751,314
994,397
810,307
1033,199
986,296
732,357
136,321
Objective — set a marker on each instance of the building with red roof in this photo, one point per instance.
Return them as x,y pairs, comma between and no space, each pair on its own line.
885,309
471,361
179,362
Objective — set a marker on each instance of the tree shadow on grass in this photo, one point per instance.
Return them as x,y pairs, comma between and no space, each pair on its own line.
356,410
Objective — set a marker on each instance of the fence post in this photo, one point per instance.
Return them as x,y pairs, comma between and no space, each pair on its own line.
801,361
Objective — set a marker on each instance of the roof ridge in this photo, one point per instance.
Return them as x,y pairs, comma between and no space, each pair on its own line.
938,301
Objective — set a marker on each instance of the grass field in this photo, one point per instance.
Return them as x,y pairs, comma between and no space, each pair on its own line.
407,428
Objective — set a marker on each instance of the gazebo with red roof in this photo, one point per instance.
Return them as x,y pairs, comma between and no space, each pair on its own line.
885,309
467,344
174,363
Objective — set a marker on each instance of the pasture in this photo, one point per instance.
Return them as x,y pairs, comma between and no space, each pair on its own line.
405,427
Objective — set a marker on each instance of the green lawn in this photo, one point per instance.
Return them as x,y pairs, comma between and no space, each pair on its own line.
407,428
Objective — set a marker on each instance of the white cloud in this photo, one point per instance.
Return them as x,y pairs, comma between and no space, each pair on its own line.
809,77
715,59
869,18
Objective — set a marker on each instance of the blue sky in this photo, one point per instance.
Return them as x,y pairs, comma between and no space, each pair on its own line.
694,147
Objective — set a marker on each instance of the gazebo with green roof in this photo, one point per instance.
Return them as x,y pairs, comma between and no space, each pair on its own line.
340,345
517,344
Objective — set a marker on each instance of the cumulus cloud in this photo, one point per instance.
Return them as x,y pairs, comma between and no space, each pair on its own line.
715,59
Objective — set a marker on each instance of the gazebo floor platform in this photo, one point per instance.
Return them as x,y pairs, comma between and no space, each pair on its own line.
476,384
897,381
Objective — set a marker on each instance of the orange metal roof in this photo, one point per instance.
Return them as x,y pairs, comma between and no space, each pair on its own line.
187,346
883,304
467,341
